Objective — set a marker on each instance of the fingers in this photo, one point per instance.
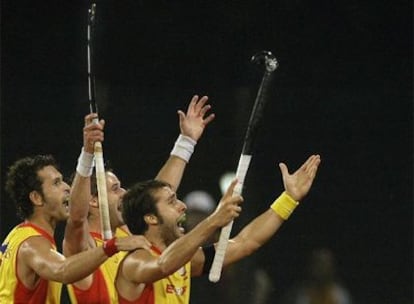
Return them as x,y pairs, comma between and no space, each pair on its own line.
229,206
192,104
90,117
92,132
313,168
311,165
230,189
209,119
144,243
133,242
306,164
233,200
204,110
236,201
200,105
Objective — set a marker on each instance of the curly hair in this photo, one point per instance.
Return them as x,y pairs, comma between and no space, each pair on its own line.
138,201
22,178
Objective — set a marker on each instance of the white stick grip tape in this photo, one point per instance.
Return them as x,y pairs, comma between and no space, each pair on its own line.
216,267
102,192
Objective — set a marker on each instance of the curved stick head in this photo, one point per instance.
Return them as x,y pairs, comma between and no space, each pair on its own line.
266,58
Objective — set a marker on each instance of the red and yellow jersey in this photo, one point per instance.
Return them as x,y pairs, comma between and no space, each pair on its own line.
174,289
102,289
122,232
12,289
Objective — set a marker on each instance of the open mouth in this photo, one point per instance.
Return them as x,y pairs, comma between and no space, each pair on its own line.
66,203
180,222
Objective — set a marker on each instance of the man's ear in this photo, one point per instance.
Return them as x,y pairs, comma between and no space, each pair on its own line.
150,219
36,198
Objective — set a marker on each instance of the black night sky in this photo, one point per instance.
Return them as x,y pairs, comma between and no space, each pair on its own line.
343,90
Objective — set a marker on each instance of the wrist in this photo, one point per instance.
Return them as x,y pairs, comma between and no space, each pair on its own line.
86,162
183,147
109,247
284,205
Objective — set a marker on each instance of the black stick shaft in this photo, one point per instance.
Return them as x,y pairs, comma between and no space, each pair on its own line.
244,161
256,114
106,230
91,73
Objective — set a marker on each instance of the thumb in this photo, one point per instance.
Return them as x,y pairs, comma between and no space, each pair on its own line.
283,169
181,115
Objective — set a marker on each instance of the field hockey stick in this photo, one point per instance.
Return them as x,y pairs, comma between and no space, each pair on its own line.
270,63
98,150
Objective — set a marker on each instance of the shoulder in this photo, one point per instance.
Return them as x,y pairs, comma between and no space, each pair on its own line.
36,243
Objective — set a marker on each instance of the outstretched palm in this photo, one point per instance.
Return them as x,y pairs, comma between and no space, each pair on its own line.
297,185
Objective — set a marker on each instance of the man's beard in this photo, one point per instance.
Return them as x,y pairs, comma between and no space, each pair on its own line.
169,232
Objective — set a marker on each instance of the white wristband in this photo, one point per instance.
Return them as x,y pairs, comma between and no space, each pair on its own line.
86,162
183,147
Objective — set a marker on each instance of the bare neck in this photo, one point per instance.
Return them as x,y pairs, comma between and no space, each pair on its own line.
45,222
154,237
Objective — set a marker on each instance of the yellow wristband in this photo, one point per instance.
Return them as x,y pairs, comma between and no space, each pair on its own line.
284,205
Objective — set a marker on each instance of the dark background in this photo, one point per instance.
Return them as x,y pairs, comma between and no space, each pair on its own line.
343,90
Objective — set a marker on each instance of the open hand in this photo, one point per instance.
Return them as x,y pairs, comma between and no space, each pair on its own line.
193,123
297,185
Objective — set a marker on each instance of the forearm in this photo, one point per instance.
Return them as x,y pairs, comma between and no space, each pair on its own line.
183,249
76,239
79,201
81,188
76,230
261,229
172,171
80,265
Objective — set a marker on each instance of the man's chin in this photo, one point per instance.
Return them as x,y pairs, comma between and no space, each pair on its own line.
64,216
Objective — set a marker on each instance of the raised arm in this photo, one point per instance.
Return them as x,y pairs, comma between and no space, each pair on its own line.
262,228
141,267
77,238
192,125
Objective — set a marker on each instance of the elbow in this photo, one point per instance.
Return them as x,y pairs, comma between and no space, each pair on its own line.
166,270
249,248
60,275
248,251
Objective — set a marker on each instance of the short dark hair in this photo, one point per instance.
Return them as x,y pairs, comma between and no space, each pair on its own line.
139,201
22,178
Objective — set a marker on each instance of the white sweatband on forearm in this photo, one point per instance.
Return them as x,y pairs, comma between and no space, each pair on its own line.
183,147
86,162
